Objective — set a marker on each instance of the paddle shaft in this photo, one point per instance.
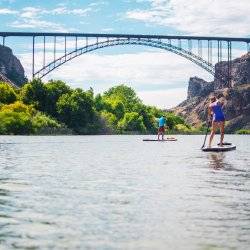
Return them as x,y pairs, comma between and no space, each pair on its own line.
205,135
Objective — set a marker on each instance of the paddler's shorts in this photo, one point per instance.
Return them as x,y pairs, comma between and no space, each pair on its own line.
161,129
219,119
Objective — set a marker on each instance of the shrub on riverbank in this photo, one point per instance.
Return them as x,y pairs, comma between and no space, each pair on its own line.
243,132
19,118
7,94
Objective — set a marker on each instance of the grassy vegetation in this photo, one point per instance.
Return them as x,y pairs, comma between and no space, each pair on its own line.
243,132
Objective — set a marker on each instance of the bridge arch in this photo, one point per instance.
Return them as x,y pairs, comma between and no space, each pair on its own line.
156,43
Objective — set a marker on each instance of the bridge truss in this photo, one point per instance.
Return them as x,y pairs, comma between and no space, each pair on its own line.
203,51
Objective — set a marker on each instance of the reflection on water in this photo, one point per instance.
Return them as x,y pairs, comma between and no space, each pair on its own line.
217,160
117,192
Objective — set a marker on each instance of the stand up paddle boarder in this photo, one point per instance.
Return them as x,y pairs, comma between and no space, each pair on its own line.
216,116
161,129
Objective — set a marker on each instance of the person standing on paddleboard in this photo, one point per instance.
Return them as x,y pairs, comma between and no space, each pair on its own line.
161,129
216,116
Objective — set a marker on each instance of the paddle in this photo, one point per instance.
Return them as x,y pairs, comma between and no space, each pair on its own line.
205,135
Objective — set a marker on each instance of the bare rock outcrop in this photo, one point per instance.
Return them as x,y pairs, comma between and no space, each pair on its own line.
10,67
197,87
240,72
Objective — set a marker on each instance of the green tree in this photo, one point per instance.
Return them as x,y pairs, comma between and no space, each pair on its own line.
114,106
7,93
99,102
19,107
118,109
15,123
34,93
110,120
173,120
148,116
43,124
19,118
132,121
76,110
182,128
54,90
15,119
124,94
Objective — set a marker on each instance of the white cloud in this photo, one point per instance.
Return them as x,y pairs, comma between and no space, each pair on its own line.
98,3
33,17
65,11
164,98
39,24
203,17
145,68
6,11
30,12
33,12
30,17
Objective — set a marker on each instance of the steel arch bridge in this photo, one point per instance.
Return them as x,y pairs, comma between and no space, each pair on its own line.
203,51
125,41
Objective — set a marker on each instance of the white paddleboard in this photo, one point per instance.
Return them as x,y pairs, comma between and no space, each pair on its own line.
167,139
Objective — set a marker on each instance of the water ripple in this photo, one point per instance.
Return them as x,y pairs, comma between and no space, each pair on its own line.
117,192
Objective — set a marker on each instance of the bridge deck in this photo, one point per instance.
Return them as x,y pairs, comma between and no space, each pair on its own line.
210,38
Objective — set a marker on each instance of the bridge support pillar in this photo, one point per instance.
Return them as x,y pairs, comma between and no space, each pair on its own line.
33,57
229,64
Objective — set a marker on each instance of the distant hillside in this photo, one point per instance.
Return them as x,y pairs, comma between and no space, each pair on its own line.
11,70
237,98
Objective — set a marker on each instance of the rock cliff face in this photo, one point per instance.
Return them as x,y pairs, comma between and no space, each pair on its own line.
240,72
3,78
10,67
236,99
197,87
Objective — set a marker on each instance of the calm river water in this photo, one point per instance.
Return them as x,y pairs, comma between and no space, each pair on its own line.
118,192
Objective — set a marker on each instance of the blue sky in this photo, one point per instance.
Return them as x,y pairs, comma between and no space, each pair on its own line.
75,16
159,77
